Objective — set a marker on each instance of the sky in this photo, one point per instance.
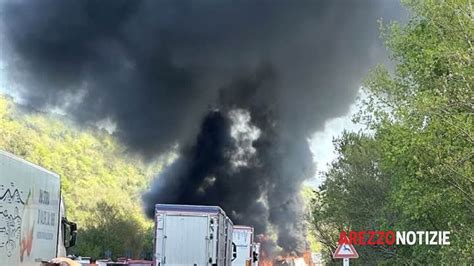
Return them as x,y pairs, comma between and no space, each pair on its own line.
321,143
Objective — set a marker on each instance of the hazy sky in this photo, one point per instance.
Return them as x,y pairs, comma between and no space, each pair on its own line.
322,143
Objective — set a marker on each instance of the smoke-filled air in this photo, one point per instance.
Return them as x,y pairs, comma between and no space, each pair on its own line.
236,88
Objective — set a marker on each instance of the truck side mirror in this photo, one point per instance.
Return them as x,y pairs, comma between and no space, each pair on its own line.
70,232
72,242
234,251
73,226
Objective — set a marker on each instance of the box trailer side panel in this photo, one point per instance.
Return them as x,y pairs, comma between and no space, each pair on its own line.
256,253
29,212
221,233
229,251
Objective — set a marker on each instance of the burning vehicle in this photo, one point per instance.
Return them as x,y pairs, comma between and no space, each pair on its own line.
303,260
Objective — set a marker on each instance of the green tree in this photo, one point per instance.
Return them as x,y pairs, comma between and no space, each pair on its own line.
420,116
111,230
354,196
94,169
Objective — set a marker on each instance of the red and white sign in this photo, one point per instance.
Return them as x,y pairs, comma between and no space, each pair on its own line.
345,251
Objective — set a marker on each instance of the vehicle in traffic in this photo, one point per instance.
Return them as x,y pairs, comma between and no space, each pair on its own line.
192,235
33,225
242,237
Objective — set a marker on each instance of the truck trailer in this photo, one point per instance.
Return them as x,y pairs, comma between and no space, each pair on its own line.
230,248
243,240
33,225
192,235
256,253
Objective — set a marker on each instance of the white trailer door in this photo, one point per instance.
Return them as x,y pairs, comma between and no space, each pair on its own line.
185,241
242,238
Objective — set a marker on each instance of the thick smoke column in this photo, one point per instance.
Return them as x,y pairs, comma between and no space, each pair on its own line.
154,68
264,188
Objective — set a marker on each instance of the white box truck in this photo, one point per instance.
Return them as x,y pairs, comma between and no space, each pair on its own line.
33,227
243,240
192,235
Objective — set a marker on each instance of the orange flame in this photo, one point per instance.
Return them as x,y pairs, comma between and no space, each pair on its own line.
268,253
266,262
304,260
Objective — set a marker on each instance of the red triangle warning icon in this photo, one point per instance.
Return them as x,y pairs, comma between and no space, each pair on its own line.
345,251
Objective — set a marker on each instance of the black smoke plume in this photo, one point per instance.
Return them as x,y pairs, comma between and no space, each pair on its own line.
264,188
172,72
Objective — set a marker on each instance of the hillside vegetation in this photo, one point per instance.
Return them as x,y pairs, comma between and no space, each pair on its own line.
101,184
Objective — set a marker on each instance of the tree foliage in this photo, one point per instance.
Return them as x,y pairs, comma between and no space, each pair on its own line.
416,169
113,232
100,182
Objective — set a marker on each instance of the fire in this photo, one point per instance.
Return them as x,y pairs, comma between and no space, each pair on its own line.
265,262
265,259
304,260
269,255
